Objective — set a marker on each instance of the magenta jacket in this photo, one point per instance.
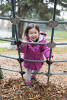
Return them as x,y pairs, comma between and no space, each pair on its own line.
35,52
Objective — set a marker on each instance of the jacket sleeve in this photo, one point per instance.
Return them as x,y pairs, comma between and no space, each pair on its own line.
46,50
23,49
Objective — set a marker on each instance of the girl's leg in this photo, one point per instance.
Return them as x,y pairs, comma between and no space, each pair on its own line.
28,76
35,72
33,76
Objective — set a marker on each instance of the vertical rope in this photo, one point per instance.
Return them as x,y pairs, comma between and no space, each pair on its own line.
14,13
52,35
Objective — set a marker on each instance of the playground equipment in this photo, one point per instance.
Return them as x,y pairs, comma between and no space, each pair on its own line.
52,23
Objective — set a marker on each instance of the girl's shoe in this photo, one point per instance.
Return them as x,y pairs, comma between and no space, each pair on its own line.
29,84
33,77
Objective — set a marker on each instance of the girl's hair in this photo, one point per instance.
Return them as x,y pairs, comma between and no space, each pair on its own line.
30,26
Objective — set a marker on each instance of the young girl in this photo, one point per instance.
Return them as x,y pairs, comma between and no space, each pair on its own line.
34,52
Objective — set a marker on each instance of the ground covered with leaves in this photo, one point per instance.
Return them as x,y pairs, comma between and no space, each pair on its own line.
13,87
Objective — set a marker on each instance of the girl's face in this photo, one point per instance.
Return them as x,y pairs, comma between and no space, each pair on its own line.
33,34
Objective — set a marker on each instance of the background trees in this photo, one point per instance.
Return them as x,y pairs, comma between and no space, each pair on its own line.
31,9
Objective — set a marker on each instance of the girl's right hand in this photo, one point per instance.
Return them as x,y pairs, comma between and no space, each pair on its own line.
24,43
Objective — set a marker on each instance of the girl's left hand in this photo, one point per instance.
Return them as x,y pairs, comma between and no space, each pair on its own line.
49,61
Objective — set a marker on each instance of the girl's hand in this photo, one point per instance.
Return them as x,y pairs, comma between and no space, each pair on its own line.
49,62
24,43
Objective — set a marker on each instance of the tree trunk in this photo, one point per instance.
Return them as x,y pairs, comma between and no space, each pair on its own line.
20,29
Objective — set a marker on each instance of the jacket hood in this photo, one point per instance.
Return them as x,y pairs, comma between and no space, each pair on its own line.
42,36
43,33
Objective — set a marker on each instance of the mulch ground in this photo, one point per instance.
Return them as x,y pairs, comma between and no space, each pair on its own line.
13,87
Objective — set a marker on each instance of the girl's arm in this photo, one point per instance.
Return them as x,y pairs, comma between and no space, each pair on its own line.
46,50
46,53
22,47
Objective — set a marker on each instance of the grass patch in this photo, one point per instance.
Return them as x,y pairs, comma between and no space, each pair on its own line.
3,41
57,40
3,50
8,51
58,35
60,50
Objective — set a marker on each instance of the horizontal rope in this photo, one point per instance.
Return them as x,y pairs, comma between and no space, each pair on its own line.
44,60
8,57
43,73
31,21
9,69
59,73
61,43
41,22
5,18
32,60
2,39
60,61
35,43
